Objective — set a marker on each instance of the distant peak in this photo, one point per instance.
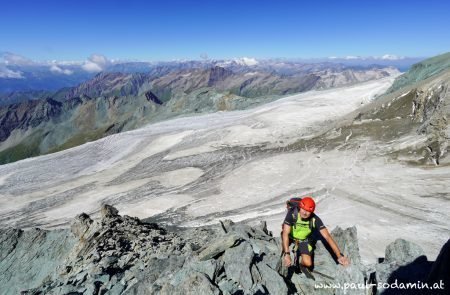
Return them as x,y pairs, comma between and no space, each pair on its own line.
248,61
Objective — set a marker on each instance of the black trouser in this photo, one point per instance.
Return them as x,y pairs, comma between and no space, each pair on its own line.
301,247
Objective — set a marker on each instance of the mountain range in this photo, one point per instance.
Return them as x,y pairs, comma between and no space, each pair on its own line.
41,122
19,74
374,155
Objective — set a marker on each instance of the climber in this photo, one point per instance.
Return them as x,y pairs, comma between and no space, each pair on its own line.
298,226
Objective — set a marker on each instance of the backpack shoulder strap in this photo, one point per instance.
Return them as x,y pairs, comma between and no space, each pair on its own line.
295,214
312,223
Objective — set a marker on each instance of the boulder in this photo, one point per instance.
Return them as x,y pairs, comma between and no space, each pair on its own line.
402,252
217,247
108,211
348,243
271,280
238,261
405,262
194,283
80,225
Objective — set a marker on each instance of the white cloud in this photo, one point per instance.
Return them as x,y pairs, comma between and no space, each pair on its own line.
57,69
68,63
95,63
355,57
91,67
351,57
7,73
15,59
391,57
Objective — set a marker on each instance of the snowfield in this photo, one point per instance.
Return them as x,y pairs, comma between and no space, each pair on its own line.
196,170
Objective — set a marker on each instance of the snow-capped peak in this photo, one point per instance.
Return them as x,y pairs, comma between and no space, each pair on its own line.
247,61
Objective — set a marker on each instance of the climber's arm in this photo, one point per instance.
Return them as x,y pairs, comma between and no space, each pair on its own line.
340,257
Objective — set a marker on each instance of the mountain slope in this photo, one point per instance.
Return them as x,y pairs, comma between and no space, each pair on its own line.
243,165
422,71
116,102
413,119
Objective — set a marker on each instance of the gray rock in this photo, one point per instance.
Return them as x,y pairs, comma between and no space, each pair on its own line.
80,278
404,262
256,276
194,284
108,260
351,275
228,286
217,247
402,252
264,247
237,264
263,227
125,260
209,267
8,240
325,263
383,271
260,290
226,225
104,279
272,281
305,286
92,289
121,255
81,225
30,257
246,232
116,289
108,211
348,243
272,260
66,290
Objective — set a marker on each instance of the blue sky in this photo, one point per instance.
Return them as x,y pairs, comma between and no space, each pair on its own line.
166,30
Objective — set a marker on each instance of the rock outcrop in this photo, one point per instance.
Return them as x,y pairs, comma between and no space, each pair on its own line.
123,255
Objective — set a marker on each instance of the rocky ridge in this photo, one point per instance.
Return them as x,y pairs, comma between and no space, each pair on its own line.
124,255
413,120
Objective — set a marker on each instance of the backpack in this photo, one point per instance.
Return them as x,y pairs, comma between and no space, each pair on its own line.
294,205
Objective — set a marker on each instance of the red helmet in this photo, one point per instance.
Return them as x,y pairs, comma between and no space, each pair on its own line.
308,204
